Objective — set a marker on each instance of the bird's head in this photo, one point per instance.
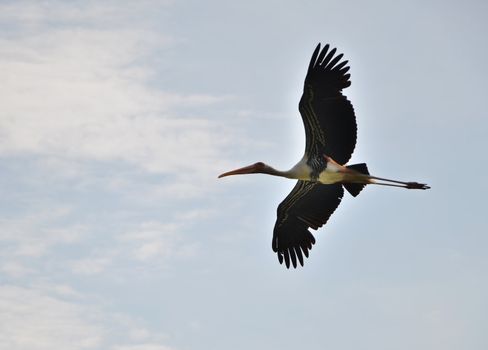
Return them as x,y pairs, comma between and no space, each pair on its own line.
255,168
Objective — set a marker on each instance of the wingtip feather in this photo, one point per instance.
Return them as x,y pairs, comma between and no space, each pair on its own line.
298,252
293,257
332,63
314,57
287,258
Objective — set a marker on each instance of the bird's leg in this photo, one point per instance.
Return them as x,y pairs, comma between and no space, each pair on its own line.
368,179
395,183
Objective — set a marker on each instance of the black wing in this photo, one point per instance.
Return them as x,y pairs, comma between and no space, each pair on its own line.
309,205
328,117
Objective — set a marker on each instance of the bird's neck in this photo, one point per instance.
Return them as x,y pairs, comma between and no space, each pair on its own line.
290,174
275,172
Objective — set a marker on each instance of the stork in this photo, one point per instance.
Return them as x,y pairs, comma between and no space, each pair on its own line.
322,173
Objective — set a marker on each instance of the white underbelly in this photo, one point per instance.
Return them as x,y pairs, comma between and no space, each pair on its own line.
330,177
333,173
301,170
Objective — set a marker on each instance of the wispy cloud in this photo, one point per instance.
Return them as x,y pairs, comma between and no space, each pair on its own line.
154,240
78,92
142,347
73,93
33,320
91,265
91,137
33,235
15,269
32,14
53,318
151,244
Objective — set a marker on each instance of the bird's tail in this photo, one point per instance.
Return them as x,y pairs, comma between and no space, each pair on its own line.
355,188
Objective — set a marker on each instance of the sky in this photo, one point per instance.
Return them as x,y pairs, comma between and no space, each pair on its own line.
117,116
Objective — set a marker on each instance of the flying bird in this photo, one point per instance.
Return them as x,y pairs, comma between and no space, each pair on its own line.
322,173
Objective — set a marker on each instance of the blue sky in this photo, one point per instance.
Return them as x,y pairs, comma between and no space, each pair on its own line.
116,118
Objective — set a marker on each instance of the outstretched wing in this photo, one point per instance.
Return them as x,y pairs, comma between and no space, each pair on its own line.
328,117
309,205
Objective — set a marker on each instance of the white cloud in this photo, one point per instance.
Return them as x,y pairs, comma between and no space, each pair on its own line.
31,241
73,93
33,235
91,265
15,269
33,320
197,214
84,93
155,241
142,347
60,290
80,93
74,12
139,334
44,317
151,244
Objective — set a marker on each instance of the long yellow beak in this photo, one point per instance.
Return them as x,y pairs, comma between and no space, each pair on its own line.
250,169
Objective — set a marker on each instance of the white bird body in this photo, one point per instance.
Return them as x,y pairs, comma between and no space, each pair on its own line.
330,138
333,173
301,170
